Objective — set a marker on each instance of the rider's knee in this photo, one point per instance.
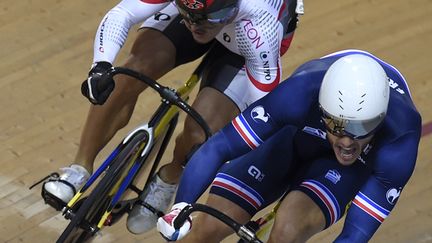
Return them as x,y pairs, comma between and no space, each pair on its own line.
297,219
192,133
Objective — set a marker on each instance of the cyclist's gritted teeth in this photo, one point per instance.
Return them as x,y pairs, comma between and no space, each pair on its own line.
346,155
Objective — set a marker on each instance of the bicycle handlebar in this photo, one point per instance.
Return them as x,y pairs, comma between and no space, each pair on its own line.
168,94
242,231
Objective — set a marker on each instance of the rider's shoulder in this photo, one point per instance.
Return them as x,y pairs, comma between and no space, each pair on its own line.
256,9
312,67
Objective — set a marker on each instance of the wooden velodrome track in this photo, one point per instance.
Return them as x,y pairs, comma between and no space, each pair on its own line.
45,53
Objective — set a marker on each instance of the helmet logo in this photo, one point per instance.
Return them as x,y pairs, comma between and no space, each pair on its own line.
260,114
193,4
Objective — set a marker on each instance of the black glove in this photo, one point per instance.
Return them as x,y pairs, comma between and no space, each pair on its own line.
99,84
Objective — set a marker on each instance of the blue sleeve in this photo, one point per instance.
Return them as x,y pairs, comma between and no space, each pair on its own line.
372,205
236,139
287,104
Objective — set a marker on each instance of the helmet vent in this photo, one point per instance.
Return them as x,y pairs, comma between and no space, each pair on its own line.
361,102
341,100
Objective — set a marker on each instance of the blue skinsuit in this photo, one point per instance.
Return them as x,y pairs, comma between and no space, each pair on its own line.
291,113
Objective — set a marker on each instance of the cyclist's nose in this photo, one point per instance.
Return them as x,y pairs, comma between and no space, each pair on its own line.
346,141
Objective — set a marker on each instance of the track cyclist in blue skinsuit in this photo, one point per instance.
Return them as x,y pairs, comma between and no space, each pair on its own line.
343,127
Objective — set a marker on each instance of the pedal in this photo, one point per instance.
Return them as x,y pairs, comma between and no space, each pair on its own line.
49,198
52,200
120,209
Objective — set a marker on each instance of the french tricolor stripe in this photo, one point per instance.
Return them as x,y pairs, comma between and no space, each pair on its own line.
326,197
246,132
370,207
240,189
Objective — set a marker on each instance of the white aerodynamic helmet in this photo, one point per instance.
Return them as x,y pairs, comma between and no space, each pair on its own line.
354,96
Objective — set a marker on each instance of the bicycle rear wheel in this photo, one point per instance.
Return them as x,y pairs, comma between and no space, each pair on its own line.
82,226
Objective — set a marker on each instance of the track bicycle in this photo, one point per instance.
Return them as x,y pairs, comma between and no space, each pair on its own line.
105,203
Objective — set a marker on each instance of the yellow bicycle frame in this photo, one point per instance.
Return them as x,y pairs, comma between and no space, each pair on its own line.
184,91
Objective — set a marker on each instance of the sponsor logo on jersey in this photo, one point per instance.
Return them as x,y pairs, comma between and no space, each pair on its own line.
333,175
255,173
226,38
252,33
162,17
258,113
315,132
101,37
266,65
392,195
395,86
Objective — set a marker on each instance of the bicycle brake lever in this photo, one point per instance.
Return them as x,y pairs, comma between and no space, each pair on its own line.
182,216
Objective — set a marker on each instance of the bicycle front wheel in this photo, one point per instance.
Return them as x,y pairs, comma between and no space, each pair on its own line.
83,225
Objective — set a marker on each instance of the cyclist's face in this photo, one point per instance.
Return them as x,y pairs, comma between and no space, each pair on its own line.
203,31
346,149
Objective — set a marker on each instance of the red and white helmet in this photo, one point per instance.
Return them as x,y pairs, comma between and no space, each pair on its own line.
214,11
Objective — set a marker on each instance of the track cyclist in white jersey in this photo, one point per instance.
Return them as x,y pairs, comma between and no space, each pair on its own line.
245,40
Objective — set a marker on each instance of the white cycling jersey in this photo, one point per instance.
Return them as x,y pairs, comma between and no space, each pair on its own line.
256,33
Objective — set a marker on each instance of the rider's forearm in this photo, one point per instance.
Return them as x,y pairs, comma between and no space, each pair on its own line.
114,27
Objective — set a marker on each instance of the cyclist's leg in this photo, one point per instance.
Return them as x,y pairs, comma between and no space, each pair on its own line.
104,121
288,226
218,102
160,192
246,185
214,106
158,48
217,110
319,201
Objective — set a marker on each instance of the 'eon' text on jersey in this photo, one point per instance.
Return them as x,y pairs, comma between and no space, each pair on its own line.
252,33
